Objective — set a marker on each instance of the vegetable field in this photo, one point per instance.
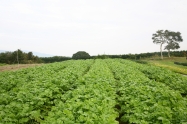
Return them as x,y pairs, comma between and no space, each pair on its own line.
109,91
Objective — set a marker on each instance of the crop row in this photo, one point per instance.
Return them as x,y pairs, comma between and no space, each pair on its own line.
92,102
9,80
144,101
97,91
173,80
36,90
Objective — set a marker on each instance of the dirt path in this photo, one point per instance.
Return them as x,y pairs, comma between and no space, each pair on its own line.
16,67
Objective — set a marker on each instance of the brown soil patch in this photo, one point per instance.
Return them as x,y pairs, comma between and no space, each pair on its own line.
17,67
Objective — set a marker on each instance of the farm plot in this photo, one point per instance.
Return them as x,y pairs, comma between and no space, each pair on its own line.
173,80
144,101
97,91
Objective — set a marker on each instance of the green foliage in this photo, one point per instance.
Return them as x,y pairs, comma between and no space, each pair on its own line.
54,59
174,39
1,64
24,58
101,57
172,46
179,63
92,102
160,37
81,55
142,100
141,62
107,91
174,36
170,37
33,92
162,75
142,55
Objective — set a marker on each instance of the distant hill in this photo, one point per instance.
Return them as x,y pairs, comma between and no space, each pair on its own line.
42,54
1,51
34,53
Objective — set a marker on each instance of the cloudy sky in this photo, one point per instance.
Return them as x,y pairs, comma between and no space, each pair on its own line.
63,27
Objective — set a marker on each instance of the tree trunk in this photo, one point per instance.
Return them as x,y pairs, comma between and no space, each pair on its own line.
161,51
169,53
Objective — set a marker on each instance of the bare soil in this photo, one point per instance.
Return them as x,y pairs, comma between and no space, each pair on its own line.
17,67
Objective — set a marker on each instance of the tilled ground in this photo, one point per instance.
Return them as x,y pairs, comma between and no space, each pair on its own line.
17,67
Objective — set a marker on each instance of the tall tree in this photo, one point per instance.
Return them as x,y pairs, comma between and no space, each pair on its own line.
160,37
174,38
172,46
30,55
18,56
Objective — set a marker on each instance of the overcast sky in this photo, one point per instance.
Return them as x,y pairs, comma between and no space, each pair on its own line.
63,27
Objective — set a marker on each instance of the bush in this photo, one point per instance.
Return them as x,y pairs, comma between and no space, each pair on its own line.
179,63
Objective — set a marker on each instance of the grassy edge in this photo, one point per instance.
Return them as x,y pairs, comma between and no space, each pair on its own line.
172,68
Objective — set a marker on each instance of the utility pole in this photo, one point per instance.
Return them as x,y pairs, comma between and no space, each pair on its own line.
17,58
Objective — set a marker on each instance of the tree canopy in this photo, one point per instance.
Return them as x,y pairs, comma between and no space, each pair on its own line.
174,39
81,55
170,37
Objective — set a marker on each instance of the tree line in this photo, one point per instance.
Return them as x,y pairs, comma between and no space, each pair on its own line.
182,53
54,59
85,55
29,58
19,56
170,38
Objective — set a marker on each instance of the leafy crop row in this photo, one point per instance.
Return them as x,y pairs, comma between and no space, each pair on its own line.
91,103
106,91
171,79
143,101
37,90
9,80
